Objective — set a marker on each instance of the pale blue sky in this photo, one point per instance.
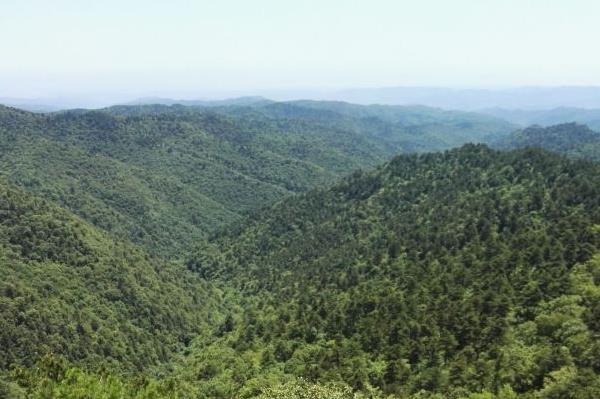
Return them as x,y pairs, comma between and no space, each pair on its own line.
186,48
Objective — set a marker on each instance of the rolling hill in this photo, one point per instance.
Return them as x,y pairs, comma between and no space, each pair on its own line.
450,274
166,176
467,274
571,139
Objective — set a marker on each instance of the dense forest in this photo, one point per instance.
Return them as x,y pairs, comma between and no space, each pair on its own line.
163,177
451,273
571,139
219,252
68,288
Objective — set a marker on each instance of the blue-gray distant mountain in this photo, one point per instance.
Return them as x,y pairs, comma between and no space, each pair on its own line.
590,117
472,99
530,98
239,101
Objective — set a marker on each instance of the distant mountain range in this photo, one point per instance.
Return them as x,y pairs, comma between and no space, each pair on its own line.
530,98
590,117
239,101
34,105
523,98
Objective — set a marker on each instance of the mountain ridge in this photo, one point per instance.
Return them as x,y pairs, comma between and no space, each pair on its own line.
464,274
164,176
573,139
404,279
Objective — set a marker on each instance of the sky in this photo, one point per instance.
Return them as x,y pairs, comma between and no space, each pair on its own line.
195,49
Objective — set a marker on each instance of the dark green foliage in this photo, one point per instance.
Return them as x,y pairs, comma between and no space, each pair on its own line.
467,274
571,139
450,273
165,176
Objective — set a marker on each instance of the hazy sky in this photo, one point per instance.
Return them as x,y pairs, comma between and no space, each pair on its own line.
187,48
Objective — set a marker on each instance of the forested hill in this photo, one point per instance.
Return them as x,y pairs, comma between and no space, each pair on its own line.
454,273
71,291
165,176
571,139
399,128
465,274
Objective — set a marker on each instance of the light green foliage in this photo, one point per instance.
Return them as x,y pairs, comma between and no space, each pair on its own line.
51,379
69,289
301,389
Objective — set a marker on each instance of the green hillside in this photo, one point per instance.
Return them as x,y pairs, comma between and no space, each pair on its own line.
466,274
163,177
407,128
571,139
71,291
451,274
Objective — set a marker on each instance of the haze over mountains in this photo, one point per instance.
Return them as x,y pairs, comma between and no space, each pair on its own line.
590,117
465,99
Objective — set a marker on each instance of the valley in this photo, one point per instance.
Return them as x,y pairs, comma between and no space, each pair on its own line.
275,250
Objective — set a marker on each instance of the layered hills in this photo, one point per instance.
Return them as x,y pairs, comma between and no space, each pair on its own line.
469,273
163,177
